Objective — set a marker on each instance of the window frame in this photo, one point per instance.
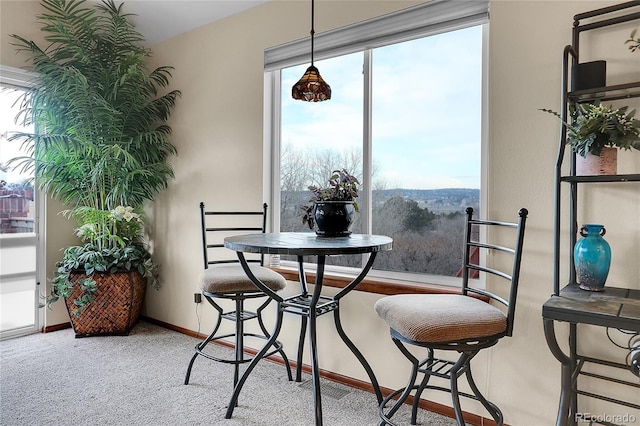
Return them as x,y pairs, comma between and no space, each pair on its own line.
437,17
25,80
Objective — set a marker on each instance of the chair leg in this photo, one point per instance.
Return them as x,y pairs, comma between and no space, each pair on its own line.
455,372
240,316
425,381
236,391
200,346
385,418
239,343
491,407
431,366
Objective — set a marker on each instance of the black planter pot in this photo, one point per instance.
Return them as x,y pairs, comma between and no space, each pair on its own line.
333,218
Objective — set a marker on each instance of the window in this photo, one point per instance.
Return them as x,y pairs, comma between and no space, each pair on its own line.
406,118
22,240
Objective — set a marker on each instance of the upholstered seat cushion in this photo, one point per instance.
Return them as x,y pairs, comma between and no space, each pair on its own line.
232,278
439,318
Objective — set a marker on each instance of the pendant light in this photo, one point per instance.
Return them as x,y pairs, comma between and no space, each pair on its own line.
311,87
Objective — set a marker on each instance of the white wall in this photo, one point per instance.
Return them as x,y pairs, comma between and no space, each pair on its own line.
218,132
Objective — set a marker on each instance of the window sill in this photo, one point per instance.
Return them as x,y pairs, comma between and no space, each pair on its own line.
384,286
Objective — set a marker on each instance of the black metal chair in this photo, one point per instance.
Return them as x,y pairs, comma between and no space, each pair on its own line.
226,280
465,323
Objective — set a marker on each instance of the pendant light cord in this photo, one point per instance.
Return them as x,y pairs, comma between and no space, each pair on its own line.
312,30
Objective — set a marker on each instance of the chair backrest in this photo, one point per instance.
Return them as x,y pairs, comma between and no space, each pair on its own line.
510,273
217,225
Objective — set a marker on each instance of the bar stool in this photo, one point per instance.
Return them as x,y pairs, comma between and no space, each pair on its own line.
224,279
463,323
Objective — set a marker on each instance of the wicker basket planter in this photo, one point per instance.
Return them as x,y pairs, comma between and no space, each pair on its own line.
116,308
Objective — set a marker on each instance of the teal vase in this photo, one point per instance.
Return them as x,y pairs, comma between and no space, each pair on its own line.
592,258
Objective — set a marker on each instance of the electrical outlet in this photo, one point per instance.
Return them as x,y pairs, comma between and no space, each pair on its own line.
197,298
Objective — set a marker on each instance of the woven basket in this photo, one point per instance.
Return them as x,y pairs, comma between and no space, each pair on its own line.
116,308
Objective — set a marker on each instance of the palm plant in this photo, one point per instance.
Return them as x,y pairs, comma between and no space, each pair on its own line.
101,138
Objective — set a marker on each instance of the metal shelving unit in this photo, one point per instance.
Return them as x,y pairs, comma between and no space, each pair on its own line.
617,307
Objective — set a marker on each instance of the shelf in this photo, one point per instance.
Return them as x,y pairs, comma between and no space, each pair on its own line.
601,178
613,307
579,370
608,93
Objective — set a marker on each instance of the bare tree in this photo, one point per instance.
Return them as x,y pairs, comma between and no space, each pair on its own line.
294,166
424,242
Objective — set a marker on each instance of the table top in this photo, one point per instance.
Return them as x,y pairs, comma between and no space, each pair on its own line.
308,243
614,307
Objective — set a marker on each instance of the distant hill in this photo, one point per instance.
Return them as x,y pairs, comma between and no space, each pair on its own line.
447,200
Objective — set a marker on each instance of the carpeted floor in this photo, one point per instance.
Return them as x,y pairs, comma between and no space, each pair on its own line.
56,379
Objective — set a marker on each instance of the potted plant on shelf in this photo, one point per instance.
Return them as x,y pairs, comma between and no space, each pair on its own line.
332,207
634,43
101,147
596,131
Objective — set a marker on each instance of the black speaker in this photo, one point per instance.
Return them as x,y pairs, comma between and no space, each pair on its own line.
589,75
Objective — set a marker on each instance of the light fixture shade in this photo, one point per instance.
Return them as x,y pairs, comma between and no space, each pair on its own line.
311,87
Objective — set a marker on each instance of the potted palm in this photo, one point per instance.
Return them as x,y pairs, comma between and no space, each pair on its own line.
332,207
595,133
101,146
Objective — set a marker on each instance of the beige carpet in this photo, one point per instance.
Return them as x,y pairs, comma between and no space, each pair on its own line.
56,379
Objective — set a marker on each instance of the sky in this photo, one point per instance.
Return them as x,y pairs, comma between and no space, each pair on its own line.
426,110
8,149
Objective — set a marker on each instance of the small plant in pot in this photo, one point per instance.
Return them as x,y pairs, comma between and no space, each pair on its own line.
332,207
596,130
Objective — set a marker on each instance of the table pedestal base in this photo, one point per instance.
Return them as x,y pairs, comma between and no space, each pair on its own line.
309,307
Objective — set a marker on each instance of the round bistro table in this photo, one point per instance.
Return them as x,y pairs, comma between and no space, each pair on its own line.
305,304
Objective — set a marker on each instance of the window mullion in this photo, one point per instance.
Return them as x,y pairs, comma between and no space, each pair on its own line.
271,143
367,152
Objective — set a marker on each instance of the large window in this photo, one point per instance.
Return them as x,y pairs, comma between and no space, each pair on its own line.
406,119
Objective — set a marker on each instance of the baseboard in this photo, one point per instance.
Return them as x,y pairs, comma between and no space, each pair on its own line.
434,407
57,327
